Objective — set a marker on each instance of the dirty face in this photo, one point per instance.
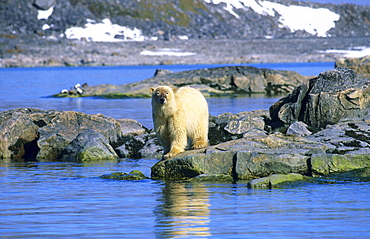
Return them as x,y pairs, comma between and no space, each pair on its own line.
161,94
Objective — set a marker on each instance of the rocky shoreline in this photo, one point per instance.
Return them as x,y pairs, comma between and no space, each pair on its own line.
211,82
321,127
26,51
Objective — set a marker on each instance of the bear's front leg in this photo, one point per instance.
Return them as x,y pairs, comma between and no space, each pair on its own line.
178,143
174,151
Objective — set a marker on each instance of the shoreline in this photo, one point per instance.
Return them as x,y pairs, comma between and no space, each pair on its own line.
41,52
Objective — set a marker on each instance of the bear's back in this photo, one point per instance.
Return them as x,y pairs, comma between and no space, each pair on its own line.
194,106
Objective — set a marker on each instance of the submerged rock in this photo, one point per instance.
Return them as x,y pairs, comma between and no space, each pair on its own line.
274,180
212,177
133,175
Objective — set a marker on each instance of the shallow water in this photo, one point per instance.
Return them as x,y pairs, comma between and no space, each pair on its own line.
70,200
58,200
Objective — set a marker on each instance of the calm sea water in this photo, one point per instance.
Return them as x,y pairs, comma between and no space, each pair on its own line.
70,200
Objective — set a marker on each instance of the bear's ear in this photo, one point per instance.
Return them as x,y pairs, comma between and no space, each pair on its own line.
152,89
174,89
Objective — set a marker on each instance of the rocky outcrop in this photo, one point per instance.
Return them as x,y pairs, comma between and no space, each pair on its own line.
222,81
172,19
360,65
326,99
88,145
334,106
321,128
61,135
245,158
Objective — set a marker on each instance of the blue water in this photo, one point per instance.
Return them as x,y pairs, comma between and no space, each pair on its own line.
70,200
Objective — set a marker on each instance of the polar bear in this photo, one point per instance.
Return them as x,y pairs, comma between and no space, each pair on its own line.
180,118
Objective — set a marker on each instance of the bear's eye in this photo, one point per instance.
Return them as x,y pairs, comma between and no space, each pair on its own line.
158,93
166,93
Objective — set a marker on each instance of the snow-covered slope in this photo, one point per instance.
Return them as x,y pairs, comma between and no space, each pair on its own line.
127,20
316,21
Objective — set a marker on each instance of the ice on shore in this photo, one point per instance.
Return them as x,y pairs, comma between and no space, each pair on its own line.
166,52
355,52
104,32
316,21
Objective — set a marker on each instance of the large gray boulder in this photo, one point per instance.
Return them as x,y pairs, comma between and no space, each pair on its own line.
43,134
66,125
325,100
228,126
88,146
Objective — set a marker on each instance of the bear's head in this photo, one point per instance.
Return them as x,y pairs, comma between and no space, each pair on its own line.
161,94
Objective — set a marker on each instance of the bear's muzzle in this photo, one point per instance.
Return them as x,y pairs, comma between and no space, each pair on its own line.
162,101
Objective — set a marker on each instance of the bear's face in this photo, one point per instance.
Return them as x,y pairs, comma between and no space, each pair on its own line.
161,94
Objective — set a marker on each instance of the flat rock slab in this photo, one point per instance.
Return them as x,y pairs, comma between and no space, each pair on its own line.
245,158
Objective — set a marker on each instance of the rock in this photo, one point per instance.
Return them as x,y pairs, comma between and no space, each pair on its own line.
351,139
331,96
347,136
66,125
227,126
360,65
88,146
322,164
44,4
133,175
298,128
161,72
212,177
219,81
18,133
245,158
274,180
142,146
131,127
195,20
356,175
33,133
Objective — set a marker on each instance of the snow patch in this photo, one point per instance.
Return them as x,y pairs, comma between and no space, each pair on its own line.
104,32
44,14
355,52
167,52
46,27
316,21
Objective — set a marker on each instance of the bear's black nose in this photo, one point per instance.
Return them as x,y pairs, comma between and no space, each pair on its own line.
161,100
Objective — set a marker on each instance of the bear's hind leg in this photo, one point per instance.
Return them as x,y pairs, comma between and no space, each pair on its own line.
198,144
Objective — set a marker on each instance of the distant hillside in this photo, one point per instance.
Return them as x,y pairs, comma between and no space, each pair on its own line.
185,19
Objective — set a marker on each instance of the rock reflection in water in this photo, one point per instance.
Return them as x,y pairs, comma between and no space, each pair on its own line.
184,210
